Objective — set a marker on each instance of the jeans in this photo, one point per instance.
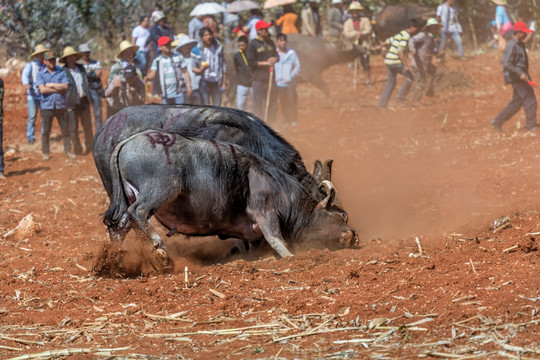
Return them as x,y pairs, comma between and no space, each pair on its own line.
286,96
260,93
96,105
242,93
210,90
457,40
523,96
80,113
392,71
33,106
176,100
142,57
47,116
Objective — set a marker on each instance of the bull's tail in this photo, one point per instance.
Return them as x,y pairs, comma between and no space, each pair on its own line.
118,207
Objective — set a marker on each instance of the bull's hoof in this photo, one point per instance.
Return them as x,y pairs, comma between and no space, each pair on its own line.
163,257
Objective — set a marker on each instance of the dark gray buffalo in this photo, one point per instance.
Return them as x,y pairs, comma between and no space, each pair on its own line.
394,18
210,123
206,187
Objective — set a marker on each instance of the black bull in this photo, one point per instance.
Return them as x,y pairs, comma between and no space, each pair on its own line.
206,187
212,123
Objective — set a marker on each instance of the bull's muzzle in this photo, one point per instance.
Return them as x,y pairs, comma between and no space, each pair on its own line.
348,238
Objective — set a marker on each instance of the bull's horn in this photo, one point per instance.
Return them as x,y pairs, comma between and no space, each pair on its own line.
317,171
328,169
330,191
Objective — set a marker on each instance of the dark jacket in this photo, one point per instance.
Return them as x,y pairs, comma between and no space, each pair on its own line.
515,61
243,71
72,96
259,50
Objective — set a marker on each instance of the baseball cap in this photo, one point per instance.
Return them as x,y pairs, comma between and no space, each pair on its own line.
49,55
164,40
261,24
522,27
129,71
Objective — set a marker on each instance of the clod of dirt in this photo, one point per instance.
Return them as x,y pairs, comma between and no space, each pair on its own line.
528,245
26,227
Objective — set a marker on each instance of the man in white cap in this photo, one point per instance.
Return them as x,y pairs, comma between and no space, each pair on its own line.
160,28
29,76
93,76
311,21
335,23
422,48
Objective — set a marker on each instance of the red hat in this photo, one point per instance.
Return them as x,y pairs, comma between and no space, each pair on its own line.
164,40
261,24
522,27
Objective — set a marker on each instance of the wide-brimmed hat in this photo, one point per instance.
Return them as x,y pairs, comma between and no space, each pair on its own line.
184,41
68,51
355,5
124,45
39,49
432,22
500,2
84,48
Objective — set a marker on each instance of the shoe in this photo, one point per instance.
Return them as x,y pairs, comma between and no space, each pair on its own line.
2,176
46,157
30,142
496,126
70,155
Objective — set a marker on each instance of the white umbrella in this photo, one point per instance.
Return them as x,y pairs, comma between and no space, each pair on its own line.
207,8
242,5
273,3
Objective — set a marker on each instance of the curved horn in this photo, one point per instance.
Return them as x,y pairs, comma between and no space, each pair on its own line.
330,191
328,169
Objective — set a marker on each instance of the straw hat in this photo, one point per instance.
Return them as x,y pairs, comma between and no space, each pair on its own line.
124,45
68,51
39,49
355,5
500,2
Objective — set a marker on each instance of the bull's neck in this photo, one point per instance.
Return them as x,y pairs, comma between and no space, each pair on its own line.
343,56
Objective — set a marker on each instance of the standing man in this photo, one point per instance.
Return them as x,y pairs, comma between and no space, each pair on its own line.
243,73
516,72
250,28
95,87
447,14
358,29
209,62
160,28
311,21
261,56
335,24
29,77
396,59
287,70
77,100
140,36
173,83
53,83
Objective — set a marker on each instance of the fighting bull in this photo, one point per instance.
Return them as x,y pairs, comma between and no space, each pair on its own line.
207,187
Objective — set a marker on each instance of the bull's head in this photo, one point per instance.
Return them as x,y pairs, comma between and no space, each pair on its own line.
335,219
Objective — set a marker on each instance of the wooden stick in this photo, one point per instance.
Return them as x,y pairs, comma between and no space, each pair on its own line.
270,83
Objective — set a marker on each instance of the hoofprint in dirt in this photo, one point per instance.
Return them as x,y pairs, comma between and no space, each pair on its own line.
432,177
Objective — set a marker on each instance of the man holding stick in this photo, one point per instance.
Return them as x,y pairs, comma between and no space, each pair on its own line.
261,56
516,72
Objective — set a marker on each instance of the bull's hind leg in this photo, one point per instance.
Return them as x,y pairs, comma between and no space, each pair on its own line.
140,211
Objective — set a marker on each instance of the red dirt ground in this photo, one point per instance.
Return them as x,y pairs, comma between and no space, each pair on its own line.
435,172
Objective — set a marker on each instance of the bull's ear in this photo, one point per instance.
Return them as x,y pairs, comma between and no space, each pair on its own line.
317,170
328,169
328,188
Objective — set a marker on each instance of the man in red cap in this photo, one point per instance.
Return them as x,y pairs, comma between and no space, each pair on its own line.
516,72
170,70
261,56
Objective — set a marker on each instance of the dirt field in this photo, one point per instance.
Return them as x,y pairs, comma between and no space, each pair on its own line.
435,174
